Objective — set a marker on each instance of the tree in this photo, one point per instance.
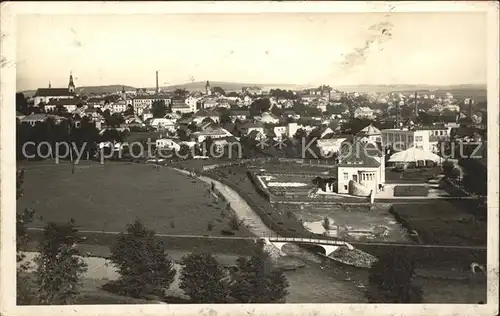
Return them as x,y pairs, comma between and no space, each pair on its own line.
219,91
159,108
21,104
475,179
60,266
258,281
24,290
203,278
114,120
141,260
22,218
300,134
355,125
390,280
183,134
225,116
129,110
180,93
260,106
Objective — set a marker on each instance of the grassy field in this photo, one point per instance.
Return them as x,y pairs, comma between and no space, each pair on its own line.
417,175
441,222
411,190
108,197
376,222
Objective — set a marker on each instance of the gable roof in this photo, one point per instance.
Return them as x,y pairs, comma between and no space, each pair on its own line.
203,113
370,130
254,133
355,154
41,117
68,101
52,92
252,125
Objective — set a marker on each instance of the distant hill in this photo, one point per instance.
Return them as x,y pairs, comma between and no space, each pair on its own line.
90,89
409,88
227,86
477,92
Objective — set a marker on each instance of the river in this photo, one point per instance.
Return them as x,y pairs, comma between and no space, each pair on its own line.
321,280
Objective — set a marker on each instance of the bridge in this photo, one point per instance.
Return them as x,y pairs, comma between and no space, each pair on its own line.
327,244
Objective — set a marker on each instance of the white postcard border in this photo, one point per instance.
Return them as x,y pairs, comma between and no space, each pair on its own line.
8,163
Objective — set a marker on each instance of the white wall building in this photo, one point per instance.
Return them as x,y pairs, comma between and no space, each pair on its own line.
364,112
165,143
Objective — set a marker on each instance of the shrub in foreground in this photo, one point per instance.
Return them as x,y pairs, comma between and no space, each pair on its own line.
142,263
203,278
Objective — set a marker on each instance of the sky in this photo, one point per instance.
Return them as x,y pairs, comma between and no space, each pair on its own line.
271,48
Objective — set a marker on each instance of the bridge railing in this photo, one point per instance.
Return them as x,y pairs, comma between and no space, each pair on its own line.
273,237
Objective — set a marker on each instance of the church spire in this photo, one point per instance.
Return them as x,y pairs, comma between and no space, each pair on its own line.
208,89
50,85
71,85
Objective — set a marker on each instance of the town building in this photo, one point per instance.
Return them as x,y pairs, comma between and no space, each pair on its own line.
142,102
69,104
361,168
180,106
251,90
44,95
201,115
248,127
426,138
119,106
33,119
365,112
214,132
371,133
268,118
165,143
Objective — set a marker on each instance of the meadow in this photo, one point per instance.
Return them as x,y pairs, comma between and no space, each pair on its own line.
107,197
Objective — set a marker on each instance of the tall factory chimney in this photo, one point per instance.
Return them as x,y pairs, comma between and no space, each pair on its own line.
398,113
416,105
157,88
470,109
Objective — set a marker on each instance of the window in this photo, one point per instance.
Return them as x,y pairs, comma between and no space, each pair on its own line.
418,138
346,176
410,139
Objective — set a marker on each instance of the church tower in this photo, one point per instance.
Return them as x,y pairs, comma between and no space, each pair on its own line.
208,89
124,94
71,85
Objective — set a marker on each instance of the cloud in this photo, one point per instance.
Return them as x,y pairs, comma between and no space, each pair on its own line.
379,34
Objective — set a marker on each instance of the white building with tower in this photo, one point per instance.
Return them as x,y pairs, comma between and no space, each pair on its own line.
46,94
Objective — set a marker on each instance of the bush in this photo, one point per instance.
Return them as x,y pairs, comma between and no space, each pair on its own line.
256,280
235,223
390,280
210,226
203,279
227,232
143,266
60,266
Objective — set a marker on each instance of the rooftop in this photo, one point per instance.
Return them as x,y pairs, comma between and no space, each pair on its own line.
52,92
358,154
